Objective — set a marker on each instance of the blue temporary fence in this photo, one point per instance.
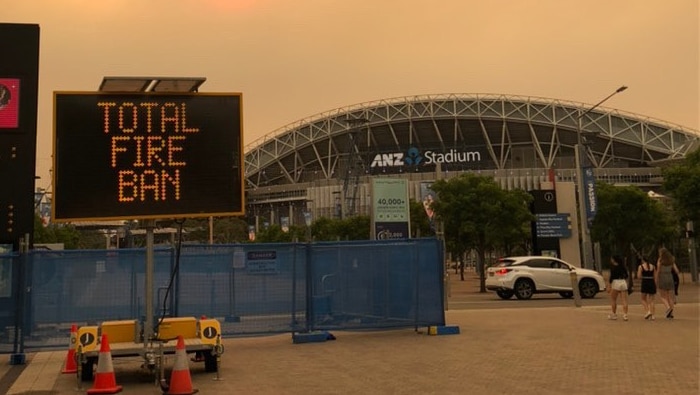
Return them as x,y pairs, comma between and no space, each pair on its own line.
251,288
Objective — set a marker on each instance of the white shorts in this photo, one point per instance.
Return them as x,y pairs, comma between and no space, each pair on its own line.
619,285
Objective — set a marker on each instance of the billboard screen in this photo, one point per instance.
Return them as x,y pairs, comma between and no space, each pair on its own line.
9,103
147,155
19,92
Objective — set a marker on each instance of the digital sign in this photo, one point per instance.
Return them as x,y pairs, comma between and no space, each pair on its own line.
19,93
147,155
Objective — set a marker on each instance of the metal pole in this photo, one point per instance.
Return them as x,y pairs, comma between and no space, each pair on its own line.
582,215
692,252
148,291
580,157
18,357
24,261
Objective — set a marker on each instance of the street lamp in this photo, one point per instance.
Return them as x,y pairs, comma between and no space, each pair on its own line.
581,162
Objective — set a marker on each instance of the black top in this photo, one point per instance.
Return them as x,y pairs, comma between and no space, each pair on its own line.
648,274
617,272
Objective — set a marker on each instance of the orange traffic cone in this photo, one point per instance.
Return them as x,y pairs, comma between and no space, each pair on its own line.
71,365
105,383
180,380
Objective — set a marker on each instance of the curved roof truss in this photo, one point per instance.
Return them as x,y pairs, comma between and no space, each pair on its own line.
323,144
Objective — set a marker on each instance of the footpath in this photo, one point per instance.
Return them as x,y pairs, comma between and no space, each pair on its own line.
523,350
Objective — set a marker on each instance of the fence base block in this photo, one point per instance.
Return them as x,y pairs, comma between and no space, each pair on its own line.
444,330
18,359
312,337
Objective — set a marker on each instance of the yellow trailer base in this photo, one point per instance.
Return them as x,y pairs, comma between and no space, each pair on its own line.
202,337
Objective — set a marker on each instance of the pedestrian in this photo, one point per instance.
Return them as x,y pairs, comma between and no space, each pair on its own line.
617,286
645,272
666,265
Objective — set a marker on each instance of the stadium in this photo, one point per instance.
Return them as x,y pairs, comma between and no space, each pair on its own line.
323,164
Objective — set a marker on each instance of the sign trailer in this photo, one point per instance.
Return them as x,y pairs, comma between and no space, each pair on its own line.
147,155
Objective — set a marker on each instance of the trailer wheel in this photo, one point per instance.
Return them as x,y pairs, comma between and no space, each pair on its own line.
210,364
87,369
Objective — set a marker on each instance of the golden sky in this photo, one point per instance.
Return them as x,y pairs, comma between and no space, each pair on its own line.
292,59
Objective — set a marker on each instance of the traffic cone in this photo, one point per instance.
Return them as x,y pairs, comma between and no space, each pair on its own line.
105,383
71,365
180,380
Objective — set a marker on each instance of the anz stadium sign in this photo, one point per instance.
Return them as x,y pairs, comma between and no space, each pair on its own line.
414,157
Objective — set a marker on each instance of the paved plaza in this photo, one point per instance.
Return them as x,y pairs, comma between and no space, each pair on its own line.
522,349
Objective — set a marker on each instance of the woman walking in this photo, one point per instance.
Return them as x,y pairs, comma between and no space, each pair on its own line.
666,265
645,271
617,286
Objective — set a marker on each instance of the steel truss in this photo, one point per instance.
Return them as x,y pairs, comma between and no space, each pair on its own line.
539,132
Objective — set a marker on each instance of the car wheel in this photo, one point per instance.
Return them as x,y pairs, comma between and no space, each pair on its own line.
505,294
588,288
567,294
524,289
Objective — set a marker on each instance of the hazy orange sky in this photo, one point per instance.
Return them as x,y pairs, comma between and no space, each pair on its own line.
292,59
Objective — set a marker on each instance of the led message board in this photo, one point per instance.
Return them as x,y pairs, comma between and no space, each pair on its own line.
147,155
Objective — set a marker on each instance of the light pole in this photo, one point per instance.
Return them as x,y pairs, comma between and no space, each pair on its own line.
581,162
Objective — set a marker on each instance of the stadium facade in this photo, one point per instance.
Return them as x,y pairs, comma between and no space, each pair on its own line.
323,164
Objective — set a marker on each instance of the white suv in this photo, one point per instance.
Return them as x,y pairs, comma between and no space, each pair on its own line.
524,276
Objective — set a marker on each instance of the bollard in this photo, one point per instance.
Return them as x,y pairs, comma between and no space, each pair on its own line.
574,287
79,368
161,380
218,350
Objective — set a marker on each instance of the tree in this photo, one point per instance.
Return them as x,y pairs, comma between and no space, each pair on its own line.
515,223
89,239
476,214
230,230
627,217
273,234
682,182
325,229
67,234
197,229
356,228
353,228
42,234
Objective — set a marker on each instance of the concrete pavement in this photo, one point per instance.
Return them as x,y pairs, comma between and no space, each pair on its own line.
523,350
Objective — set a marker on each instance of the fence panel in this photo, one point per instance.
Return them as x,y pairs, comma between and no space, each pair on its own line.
10,263
250,288
376,284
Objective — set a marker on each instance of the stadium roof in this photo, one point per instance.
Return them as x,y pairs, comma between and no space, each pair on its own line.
500,127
